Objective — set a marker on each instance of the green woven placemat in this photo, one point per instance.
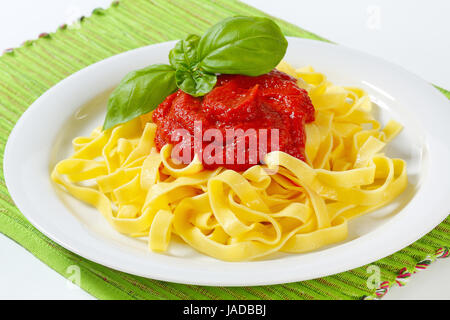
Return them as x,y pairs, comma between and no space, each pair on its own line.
28,71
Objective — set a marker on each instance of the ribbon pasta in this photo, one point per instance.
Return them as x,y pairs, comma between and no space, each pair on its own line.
284,205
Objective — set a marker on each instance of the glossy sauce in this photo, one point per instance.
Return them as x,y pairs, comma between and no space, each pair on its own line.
270,101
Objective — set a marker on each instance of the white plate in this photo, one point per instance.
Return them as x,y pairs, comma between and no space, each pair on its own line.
76,105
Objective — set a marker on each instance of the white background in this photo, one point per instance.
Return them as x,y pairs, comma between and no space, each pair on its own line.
414,34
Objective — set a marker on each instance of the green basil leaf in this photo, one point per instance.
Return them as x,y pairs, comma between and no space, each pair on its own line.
139,92
184,55
242,45
195,82
189,77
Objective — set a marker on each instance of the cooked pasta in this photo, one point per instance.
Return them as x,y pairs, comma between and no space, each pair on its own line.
283,205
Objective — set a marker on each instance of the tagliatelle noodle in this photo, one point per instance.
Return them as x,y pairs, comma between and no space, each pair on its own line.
284,205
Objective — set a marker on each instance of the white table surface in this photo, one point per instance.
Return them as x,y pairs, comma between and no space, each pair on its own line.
414,34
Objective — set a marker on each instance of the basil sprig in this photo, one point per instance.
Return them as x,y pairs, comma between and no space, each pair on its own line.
238,45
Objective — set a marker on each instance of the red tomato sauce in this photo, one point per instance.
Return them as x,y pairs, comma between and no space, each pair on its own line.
270,101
